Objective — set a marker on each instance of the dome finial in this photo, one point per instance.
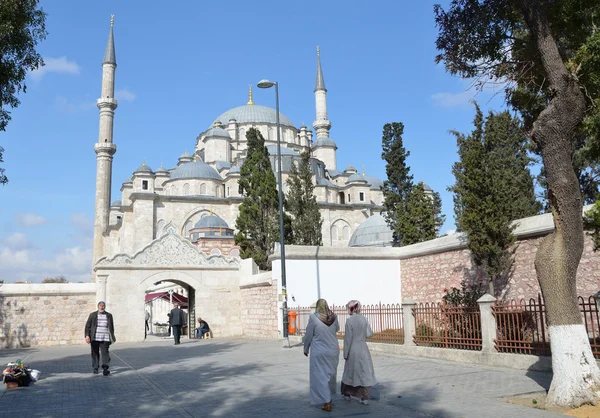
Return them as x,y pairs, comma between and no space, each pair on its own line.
250,102
318,51
112,20
363,169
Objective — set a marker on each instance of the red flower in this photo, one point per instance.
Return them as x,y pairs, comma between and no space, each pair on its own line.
445,290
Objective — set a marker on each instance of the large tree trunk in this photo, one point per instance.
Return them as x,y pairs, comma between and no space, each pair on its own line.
576,379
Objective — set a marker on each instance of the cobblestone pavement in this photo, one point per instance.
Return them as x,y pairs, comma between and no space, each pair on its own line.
243,378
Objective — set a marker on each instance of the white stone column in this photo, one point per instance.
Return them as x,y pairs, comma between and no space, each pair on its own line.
488,323
409,321
101,280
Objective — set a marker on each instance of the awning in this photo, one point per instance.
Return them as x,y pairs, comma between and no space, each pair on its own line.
183,301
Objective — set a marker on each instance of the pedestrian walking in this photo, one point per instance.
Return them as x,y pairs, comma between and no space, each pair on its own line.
100,334
177,320
321,341
359,375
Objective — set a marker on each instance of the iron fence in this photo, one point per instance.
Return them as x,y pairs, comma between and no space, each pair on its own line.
440,325
522,328
385,319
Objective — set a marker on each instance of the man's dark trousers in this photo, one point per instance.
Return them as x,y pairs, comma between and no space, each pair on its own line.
177,333
100,348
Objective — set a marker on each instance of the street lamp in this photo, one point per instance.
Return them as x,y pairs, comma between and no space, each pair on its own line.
265,84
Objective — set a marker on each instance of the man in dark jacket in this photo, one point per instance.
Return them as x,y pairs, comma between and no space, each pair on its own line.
177,320
100,333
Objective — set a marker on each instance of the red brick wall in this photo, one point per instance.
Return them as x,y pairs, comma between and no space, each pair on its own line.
424,278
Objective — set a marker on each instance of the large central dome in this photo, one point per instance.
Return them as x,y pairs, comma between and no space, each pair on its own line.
253,114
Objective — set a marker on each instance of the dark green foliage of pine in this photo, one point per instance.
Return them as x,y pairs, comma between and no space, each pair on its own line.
306,221
422,216
22,26
399,181
493,187
258,219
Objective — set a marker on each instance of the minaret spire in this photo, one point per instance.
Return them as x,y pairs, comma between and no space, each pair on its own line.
250,102
105,148
320,84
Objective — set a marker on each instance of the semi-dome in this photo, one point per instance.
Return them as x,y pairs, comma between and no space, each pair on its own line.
356,178
373,232
217,132
116,203
195,170
284,150
211,221
374,182
254,114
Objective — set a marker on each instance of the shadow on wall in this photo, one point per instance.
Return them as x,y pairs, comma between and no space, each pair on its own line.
12,335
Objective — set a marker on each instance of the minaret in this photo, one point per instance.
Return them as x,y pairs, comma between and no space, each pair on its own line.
104,148
321,125
324,148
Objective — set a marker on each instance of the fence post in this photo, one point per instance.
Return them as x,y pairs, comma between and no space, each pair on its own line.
488,323
409,321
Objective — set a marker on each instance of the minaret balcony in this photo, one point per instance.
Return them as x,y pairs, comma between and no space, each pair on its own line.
105,148
107,102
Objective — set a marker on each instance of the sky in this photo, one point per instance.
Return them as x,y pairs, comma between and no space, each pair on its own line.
179,68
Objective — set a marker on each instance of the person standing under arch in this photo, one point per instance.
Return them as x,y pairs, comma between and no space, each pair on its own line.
177,320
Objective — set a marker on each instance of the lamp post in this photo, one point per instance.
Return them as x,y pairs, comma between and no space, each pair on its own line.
265,84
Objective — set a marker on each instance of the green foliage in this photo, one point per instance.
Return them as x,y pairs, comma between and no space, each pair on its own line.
22,26
493,187
591,220
399,182
465,297
57,279
489,41
422,216
306,221
258,219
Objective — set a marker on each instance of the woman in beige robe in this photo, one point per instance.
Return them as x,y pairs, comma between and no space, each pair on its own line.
359,376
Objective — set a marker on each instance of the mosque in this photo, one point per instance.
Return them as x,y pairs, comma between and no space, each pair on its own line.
199,195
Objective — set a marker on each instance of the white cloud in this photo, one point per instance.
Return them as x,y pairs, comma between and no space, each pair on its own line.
453,100
29,219
59,65
67,106
125,95
17,242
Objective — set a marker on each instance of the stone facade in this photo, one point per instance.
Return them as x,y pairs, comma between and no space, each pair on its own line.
44,314
259,309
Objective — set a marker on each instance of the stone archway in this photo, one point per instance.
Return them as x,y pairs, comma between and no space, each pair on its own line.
123,279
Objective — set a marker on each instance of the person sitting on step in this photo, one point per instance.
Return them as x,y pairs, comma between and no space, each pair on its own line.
202,329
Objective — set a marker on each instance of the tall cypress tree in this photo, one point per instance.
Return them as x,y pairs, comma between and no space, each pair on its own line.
257,222
493,187
422,218
399,182
302,204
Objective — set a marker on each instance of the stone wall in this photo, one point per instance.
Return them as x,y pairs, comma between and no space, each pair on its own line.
44,314
431,267
259,310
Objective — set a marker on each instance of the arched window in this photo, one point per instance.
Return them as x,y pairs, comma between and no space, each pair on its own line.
242,136
215,251
346,233
186,189
203,188
271,135
334,233
235,253
173,190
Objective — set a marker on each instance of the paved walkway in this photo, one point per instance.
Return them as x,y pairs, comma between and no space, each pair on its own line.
242,378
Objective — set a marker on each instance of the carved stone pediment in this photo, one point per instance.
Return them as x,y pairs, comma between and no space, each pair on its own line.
170,250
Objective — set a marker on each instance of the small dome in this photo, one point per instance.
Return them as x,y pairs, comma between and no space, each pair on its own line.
234,169
129,180
195,170
284,150
116,203
373,232
143,168
254,114
162,170
350,168
217,132
324,142
211,221
185,155
356,178
374,182
427,188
